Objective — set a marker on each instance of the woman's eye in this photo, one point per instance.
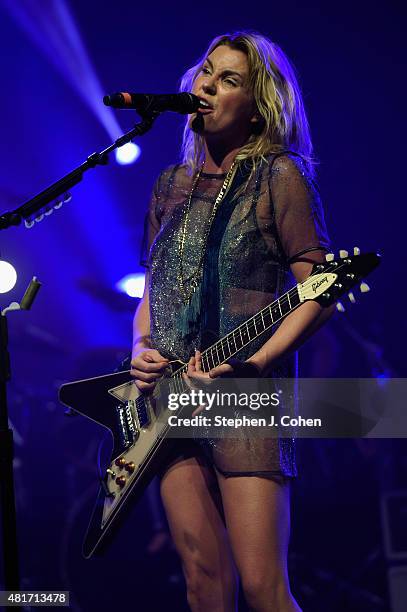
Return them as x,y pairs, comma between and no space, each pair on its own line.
205,70
230,82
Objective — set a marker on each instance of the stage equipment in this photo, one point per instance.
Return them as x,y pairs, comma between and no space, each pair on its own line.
127,154
397,580
7,497
183,103
56,194
34,210
8,277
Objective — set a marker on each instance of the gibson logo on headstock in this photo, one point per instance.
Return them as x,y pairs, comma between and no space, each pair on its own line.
316,285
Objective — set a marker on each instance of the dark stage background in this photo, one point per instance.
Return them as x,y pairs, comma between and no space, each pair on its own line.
58,59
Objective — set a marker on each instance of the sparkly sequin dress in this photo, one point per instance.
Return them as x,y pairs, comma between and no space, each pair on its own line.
277,217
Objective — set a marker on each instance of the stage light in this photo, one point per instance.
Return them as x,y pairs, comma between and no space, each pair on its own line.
8,277
132,284
128,153
383,378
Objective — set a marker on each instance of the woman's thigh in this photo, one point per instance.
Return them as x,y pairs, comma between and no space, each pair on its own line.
257,515
193,506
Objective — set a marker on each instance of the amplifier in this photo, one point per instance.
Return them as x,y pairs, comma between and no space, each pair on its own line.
397,581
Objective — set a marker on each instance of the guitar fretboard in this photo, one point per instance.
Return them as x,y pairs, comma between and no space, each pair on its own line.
240,337
243,335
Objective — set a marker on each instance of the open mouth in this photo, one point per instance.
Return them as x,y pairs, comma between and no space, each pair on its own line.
205,106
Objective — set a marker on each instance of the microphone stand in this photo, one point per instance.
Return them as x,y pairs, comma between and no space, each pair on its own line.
7,498
27,211
60,188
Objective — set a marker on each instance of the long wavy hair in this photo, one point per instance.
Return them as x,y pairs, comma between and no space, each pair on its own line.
283,122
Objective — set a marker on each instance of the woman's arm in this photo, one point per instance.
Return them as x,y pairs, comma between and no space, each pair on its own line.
147,364
296,328
301,228
141,322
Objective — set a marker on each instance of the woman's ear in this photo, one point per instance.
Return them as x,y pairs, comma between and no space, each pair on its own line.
257,122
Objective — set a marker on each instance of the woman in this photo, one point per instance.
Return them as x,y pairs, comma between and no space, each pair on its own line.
230,511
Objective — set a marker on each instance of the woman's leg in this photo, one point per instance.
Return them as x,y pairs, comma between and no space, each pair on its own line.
257,514
192,503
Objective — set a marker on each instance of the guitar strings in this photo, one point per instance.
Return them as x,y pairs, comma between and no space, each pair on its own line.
251,324
177,375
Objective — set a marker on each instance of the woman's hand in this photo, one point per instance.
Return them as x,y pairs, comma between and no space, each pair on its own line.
147,366
196,378
233,368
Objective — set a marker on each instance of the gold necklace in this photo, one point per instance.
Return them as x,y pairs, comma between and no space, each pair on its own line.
196,276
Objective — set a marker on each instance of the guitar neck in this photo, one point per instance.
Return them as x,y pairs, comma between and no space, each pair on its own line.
251,329
243,335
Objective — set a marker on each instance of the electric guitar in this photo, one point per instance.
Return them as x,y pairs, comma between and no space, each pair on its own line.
139,432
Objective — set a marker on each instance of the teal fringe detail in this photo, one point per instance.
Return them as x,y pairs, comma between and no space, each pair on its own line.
190,317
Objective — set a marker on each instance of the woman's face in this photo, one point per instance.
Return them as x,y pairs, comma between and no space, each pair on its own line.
223,83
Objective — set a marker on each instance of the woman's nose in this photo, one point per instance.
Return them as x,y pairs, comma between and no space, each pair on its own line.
209,86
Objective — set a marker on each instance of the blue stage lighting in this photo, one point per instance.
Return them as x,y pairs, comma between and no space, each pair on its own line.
132,284
383,378
128,153
8,277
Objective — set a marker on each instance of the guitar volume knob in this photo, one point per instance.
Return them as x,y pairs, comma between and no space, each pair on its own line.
120,462
121,481
130,467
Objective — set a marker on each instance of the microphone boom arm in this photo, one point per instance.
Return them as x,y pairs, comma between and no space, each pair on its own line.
60,188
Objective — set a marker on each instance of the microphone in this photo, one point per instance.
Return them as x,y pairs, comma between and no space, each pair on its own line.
184,103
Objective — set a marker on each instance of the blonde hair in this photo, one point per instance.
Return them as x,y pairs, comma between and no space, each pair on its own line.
283,124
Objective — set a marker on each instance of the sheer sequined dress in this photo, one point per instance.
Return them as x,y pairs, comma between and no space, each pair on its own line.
277,218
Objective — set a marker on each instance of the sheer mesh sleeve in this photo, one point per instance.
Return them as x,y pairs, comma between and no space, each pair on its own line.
151,225
299,215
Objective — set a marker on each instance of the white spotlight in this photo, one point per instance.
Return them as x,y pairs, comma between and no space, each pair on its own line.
8,277
132,284
128,153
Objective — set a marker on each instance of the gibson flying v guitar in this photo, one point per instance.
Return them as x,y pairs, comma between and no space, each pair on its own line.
138,433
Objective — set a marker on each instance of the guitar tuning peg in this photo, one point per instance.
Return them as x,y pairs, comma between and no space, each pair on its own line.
356,250
364,287
340,307
343,253
351,297
329,257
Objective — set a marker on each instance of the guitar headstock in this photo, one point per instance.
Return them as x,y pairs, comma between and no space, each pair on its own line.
333,278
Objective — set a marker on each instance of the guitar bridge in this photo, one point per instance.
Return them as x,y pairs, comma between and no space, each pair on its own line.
141,411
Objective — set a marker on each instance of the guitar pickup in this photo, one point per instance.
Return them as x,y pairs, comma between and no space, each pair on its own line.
128,431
